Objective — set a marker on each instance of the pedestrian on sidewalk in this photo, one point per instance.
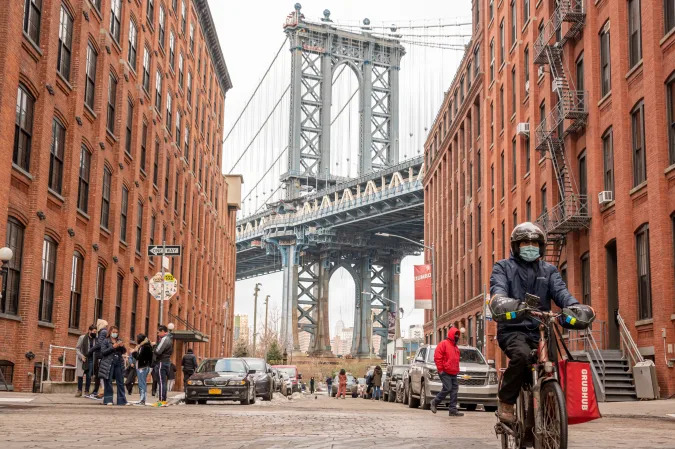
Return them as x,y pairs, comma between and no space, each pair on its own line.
112,365
311,385
130,373
143,356
377,383
329,385
342,384
171,379
95,354
189,365
163,351
84,343
446,358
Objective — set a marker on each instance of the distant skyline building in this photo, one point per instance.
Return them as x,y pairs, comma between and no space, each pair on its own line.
241,328
342,342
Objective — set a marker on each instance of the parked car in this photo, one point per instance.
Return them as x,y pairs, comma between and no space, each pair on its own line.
477,380
400,391
264,383
276,378
221,379
392,376
291,372
352,386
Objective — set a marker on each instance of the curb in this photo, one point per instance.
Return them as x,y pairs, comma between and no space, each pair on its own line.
643,417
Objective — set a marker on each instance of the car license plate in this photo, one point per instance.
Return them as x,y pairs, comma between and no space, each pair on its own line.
215,391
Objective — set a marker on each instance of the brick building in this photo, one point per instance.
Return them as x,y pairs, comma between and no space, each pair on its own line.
561,107
116,112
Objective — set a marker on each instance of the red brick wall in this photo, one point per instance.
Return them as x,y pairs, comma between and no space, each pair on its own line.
652,203
207,235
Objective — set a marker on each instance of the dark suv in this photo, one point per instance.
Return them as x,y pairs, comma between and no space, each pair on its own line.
394,375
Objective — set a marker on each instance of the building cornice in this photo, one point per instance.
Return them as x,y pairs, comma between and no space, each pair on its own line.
213,44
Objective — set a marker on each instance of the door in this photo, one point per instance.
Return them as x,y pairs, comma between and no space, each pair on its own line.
417,372
612,296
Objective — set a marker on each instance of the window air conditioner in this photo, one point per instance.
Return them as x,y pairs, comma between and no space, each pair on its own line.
523,129
606,196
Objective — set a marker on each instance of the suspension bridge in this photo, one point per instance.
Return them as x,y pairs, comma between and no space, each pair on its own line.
327,168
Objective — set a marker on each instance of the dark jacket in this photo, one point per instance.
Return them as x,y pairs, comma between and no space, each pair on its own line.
109,355
514,278
164,349
143,354
446,356
172,372
189,362
95,350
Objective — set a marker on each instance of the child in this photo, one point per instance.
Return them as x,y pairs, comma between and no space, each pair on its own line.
342,384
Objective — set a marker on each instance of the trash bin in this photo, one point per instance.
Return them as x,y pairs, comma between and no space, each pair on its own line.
646,384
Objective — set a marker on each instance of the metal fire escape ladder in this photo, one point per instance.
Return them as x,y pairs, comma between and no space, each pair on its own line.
567,116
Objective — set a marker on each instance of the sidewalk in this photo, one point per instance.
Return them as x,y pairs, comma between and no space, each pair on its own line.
37,399
659,409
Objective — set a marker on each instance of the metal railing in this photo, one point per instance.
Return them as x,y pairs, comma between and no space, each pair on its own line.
628,346
585,341
63,366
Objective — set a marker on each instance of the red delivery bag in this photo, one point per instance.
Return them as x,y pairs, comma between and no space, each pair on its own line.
576,379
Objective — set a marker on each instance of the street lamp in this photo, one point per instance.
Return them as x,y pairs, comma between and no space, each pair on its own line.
433,275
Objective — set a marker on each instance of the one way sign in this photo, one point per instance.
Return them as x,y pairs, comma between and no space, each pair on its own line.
168,250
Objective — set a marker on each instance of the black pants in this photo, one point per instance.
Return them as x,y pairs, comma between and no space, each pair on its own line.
163,378
97,381
517,346
451,387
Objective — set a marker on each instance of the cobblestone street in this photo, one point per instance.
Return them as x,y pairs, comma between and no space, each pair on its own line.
60,421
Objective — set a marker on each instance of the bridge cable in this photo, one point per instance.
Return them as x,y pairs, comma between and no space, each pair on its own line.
256,89
265,174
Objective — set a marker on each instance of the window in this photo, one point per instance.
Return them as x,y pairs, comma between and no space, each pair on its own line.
118,299
502,182
514,22
668,15
479,167
492,185
76,291
479,224
186,141
634,32
583,180
23,130
32,12
112,95
105,195
100,289
56,156
638,138
585,279
172,50
146,69
83,183
492,59
150,13
528,210
491,7
513,90
133,35
476,58
174,4
153,221
178,125
183,17
670,104
501,42
7,369
526,11
169,102
470,231
47,282
526,69
175,192
514,163
162,20
130,120
144,143
134,306
139,226
542,114
166,179
605,64
544,208
180,69
644,273
9,303
192,38
123,213
158,91
155,164
492,123
492,237
115,18
501,107
527,154
503,239
185,194
580,77
65,43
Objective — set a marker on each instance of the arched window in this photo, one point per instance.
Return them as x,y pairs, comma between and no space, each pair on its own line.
49,247
9,303
76,290
643,272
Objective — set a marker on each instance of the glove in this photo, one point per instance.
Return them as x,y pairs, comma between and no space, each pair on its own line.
507,310
577,316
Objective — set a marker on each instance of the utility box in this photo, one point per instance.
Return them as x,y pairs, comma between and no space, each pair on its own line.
646,384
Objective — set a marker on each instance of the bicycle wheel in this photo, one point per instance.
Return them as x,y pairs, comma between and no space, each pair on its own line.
516,441
553,418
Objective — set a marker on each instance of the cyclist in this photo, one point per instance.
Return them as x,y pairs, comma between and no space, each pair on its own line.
523,272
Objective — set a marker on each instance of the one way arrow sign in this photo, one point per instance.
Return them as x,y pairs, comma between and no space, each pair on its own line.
168,250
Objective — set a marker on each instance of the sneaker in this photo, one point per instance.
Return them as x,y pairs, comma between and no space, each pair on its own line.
506,413
78,394
433,407
456,413
140,403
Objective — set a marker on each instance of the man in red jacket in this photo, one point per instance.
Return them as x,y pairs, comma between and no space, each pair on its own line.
446,358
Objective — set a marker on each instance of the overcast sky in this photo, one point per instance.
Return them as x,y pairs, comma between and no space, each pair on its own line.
250,34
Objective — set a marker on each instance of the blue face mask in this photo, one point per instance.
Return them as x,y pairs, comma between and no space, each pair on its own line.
529,253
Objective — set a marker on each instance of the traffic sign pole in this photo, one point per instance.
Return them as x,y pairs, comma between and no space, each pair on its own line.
161,303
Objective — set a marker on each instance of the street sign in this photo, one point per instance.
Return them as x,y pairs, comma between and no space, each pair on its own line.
168,250
169,284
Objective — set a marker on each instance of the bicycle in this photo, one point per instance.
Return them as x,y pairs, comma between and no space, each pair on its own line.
541,413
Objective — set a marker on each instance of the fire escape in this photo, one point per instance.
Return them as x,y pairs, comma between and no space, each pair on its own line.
567,117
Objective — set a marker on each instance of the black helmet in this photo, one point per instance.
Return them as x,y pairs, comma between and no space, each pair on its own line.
527,231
